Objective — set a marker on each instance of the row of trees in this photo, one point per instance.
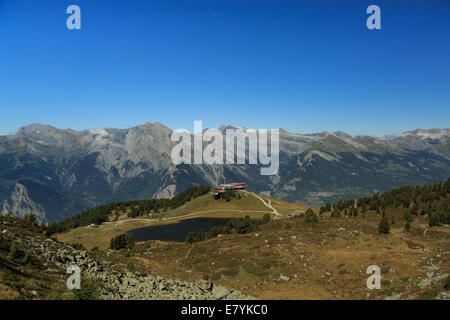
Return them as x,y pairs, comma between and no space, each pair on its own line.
122,241
432,200
239,225
101,213
141,207
227,195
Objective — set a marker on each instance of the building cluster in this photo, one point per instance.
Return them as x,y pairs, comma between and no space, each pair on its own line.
229,186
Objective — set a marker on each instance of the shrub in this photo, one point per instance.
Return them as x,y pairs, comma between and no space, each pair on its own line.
51,296
130,266
12,251
252,269
26,259
266,218
78,246
447,283
168,247
310,216
31,217
335,213
88,290
216,276
229,272
7,293
4,243
202,267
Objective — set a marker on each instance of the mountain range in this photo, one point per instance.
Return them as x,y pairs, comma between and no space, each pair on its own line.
57,173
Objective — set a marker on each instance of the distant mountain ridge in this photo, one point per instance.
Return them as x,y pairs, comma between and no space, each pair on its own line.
57,173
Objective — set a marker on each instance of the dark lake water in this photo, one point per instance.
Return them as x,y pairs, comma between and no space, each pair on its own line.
175,231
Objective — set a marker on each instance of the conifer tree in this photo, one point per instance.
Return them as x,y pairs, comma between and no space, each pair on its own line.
407,226
383,227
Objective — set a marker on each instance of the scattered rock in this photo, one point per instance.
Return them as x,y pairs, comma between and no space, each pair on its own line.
130,285
219,292
284,278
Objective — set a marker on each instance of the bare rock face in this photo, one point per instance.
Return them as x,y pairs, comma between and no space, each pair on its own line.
21,204
167,192
57,173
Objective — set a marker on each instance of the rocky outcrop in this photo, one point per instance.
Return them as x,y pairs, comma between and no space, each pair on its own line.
20,203
117,285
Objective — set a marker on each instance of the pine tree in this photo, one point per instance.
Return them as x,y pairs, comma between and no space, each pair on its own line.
130,241
408,216
407,226
383,227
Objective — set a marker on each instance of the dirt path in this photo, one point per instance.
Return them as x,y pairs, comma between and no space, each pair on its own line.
268,205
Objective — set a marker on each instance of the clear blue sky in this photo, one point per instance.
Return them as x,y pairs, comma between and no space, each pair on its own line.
306,66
